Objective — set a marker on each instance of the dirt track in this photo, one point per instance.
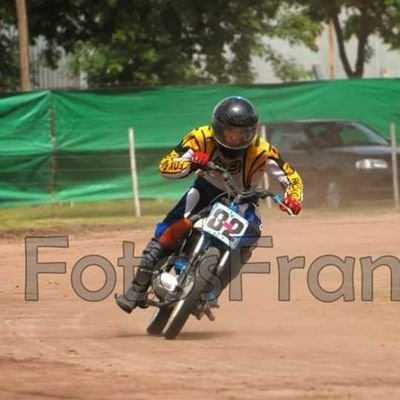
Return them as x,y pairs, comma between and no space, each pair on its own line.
65,348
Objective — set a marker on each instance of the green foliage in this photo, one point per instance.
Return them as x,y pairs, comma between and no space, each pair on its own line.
293,25
174,41
9,72
356,19
152,42
286,69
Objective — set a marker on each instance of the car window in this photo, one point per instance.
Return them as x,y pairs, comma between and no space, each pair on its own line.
352,136
288,137
359,134
325,135
343,134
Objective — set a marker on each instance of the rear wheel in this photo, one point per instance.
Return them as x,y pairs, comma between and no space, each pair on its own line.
186,306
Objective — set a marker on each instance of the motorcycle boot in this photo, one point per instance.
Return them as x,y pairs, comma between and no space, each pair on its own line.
136,295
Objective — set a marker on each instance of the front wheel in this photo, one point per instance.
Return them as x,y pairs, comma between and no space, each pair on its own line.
187,305
159,320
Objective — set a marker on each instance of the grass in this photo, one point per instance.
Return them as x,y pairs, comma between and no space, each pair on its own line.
120,214
63,215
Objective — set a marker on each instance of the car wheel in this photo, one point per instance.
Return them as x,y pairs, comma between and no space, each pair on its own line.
334,196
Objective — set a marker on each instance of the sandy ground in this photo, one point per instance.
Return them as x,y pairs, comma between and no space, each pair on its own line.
63,347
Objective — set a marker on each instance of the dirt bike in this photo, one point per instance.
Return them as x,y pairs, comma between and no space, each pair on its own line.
187,283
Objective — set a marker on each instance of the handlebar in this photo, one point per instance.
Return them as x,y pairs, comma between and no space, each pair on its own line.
241,196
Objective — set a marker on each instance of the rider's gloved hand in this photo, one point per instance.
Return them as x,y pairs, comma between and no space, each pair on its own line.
199,160
293,204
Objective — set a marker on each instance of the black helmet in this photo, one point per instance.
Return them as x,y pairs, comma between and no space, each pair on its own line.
240,116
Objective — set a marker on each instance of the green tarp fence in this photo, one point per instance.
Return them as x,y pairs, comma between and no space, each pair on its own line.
67,146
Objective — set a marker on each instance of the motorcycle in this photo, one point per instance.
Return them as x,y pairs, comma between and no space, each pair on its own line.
187,283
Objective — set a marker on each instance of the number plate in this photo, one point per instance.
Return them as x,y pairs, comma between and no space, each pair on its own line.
226,225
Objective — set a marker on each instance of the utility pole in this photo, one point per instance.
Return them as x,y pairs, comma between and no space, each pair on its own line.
23,37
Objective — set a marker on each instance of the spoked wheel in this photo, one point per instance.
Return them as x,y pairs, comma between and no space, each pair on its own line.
187,305
159,320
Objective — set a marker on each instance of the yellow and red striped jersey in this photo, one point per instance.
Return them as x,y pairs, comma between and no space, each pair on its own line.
247,168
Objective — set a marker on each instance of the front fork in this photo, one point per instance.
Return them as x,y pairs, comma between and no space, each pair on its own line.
187,274
205,242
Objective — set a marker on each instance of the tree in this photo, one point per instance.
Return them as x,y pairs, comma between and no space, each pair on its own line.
58,21
359,19
149,42
292,25
175,41
182,41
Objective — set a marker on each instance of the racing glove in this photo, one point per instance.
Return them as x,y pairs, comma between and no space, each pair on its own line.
293,204
199,160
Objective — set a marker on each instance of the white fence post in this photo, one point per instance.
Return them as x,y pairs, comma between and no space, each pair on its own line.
132,156
395,174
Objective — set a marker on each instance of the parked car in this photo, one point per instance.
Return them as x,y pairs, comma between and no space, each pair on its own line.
339,160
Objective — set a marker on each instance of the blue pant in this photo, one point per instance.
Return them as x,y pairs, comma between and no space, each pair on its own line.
198,197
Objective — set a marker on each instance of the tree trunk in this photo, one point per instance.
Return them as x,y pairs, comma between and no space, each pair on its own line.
23,45
362,41
341,46
362,37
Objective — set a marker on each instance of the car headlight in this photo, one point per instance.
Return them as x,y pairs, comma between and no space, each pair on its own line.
372,163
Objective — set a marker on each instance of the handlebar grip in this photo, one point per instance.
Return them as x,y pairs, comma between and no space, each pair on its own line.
277,197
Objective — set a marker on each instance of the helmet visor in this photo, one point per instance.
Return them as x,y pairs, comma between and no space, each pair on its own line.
235,138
